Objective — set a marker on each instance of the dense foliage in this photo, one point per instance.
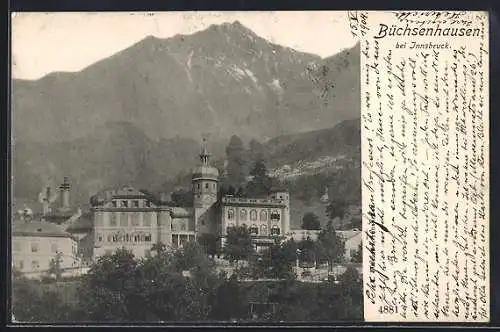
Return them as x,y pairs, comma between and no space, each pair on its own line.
311,221
184,286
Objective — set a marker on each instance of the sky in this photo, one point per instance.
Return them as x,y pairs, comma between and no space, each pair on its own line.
46,42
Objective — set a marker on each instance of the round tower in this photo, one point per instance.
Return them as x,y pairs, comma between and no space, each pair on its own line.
205,180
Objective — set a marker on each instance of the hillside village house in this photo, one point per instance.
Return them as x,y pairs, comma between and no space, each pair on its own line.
134,220
35,243
352,239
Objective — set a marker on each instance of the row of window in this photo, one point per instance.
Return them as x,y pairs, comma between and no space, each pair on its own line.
120,238
35,265
132,219
207,186
275,215
134,203
109,252
254,229
35,248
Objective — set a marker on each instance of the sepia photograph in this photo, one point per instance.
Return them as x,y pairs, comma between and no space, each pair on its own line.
185,167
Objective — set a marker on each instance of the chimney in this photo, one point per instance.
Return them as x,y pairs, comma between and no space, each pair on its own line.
45,202
65,188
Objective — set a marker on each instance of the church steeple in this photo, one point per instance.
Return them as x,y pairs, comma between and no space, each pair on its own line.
204,155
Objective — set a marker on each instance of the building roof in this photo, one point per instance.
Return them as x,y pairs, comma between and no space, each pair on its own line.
128,192
349,233
104,196
38,228
181,212
83,224
205,172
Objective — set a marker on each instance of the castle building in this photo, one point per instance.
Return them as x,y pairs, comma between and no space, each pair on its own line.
131,219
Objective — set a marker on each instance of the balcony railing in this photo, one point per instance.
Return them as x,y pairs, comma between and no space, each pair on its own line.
240,200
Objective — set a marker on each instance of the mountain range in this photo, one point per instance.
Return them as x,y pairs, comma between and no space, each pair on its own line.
138,116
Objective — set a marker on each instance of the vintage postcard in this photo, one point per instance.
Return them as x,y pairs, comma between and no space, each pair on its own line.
239,167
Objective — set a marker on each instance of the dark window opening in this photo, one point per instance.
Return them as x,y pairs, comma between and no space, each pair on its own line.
275,215
275,230
254,230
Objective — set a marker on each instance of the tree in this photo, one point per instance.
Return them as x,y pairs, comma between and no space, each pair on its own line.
55,268
229,302
240,192
182,197
256,150
308,250
310,221
190,256
122,289
208,242
280,261
35,302
159,248
358,255
238,244
330,246
105,289
336,208
235,168
261,184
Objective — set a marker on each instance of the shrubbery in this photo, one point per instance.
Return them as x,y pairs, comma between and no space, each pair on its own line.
121,288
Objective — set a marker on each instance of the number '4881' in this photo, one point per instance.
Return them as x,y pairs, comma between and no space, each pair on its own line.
388,309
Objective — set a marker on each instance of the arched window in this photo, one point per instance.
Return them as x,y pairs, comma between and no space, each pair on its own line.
110,238
148,237
253,215
263,215
243,214
263,230
99,238
127,238
275,230
230,214
254,230
275,215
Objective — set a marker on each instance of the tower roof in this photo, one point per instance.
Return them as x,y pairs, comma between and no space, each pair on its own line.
205,170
